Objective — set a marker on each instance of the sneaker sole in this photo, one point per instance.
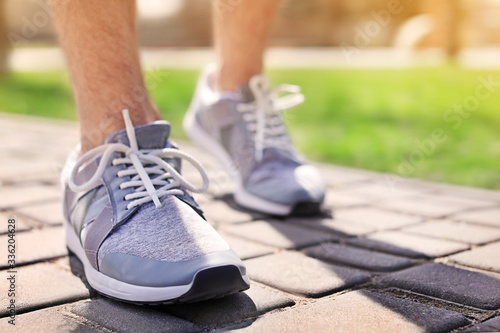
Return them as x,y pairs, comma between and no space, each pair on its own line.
242,197
222,281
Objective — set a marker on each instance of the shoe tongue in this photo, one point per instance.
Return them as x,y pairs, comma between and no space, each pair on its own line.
151,136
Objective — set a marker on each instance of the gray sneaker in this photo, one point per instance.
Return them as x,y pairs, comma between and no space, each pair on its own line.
245,132
134,225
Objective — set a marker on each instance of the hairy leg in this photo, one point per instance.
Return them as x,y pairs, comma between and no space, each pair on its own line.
99,40
240,31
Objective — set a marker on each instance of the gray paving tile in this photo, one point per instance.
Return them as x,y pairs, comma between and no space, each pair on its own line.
432,205
466,192
24,195
278,234
20,225
298,274
457,231
344,228
219,212
122,317
449,283
251,303
246,249
48,213
43,285
334,175
489,216
468,203
485,257
490,325
360,311
36,245
375,191
359,258
408,245
201,198
379,219
339,198
20,171
45,321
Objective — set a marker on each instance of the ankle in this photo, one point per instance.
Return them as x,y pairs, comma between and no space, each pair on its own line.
231,78
95,129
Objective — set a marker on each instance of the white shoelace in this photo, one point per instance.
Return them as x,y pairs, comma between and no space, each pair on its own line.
263,114
168,182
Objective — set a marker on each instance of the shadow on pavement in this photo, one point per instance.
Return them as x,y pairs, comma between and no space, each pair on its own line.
375,274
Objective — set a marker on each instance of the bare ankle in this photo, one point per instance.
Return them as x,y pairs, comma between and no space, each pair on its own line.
94,130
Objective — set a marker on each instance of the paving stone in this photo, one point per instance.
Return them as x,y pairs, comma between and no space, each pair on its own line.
201,198
489,216
220,212
45,321
335,175
298,274
485,257
20,224
278,234
336,199
466,192
251,303
344,228
43,285
246,249
36,245
221,184
359,311
468,203
461,232
23,195
122,317
432,205
408,245
377,218
491,325
384,190
48,213
350,256
449,283
21,171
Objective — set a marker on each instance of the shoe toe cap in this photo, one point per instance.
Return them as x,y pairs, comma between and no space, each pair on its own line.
155,273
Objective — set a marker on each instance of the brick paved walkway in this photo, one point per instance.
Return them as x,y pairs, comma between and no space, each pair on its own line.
417,257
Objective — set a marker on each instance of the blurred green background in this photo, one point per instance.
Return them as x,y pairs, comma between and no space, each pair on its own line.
372,119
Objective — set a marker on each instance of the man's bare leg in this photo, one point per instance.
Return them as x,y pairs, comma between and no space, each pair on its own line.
144,219
242,129
100,43
240,39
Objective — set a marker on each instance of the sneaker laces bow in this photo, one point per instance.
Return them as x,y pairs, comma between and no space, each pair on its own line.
168,180
263,114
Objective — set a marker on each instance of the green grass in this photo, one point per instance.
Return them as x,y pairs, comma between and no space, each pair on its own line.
370,119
